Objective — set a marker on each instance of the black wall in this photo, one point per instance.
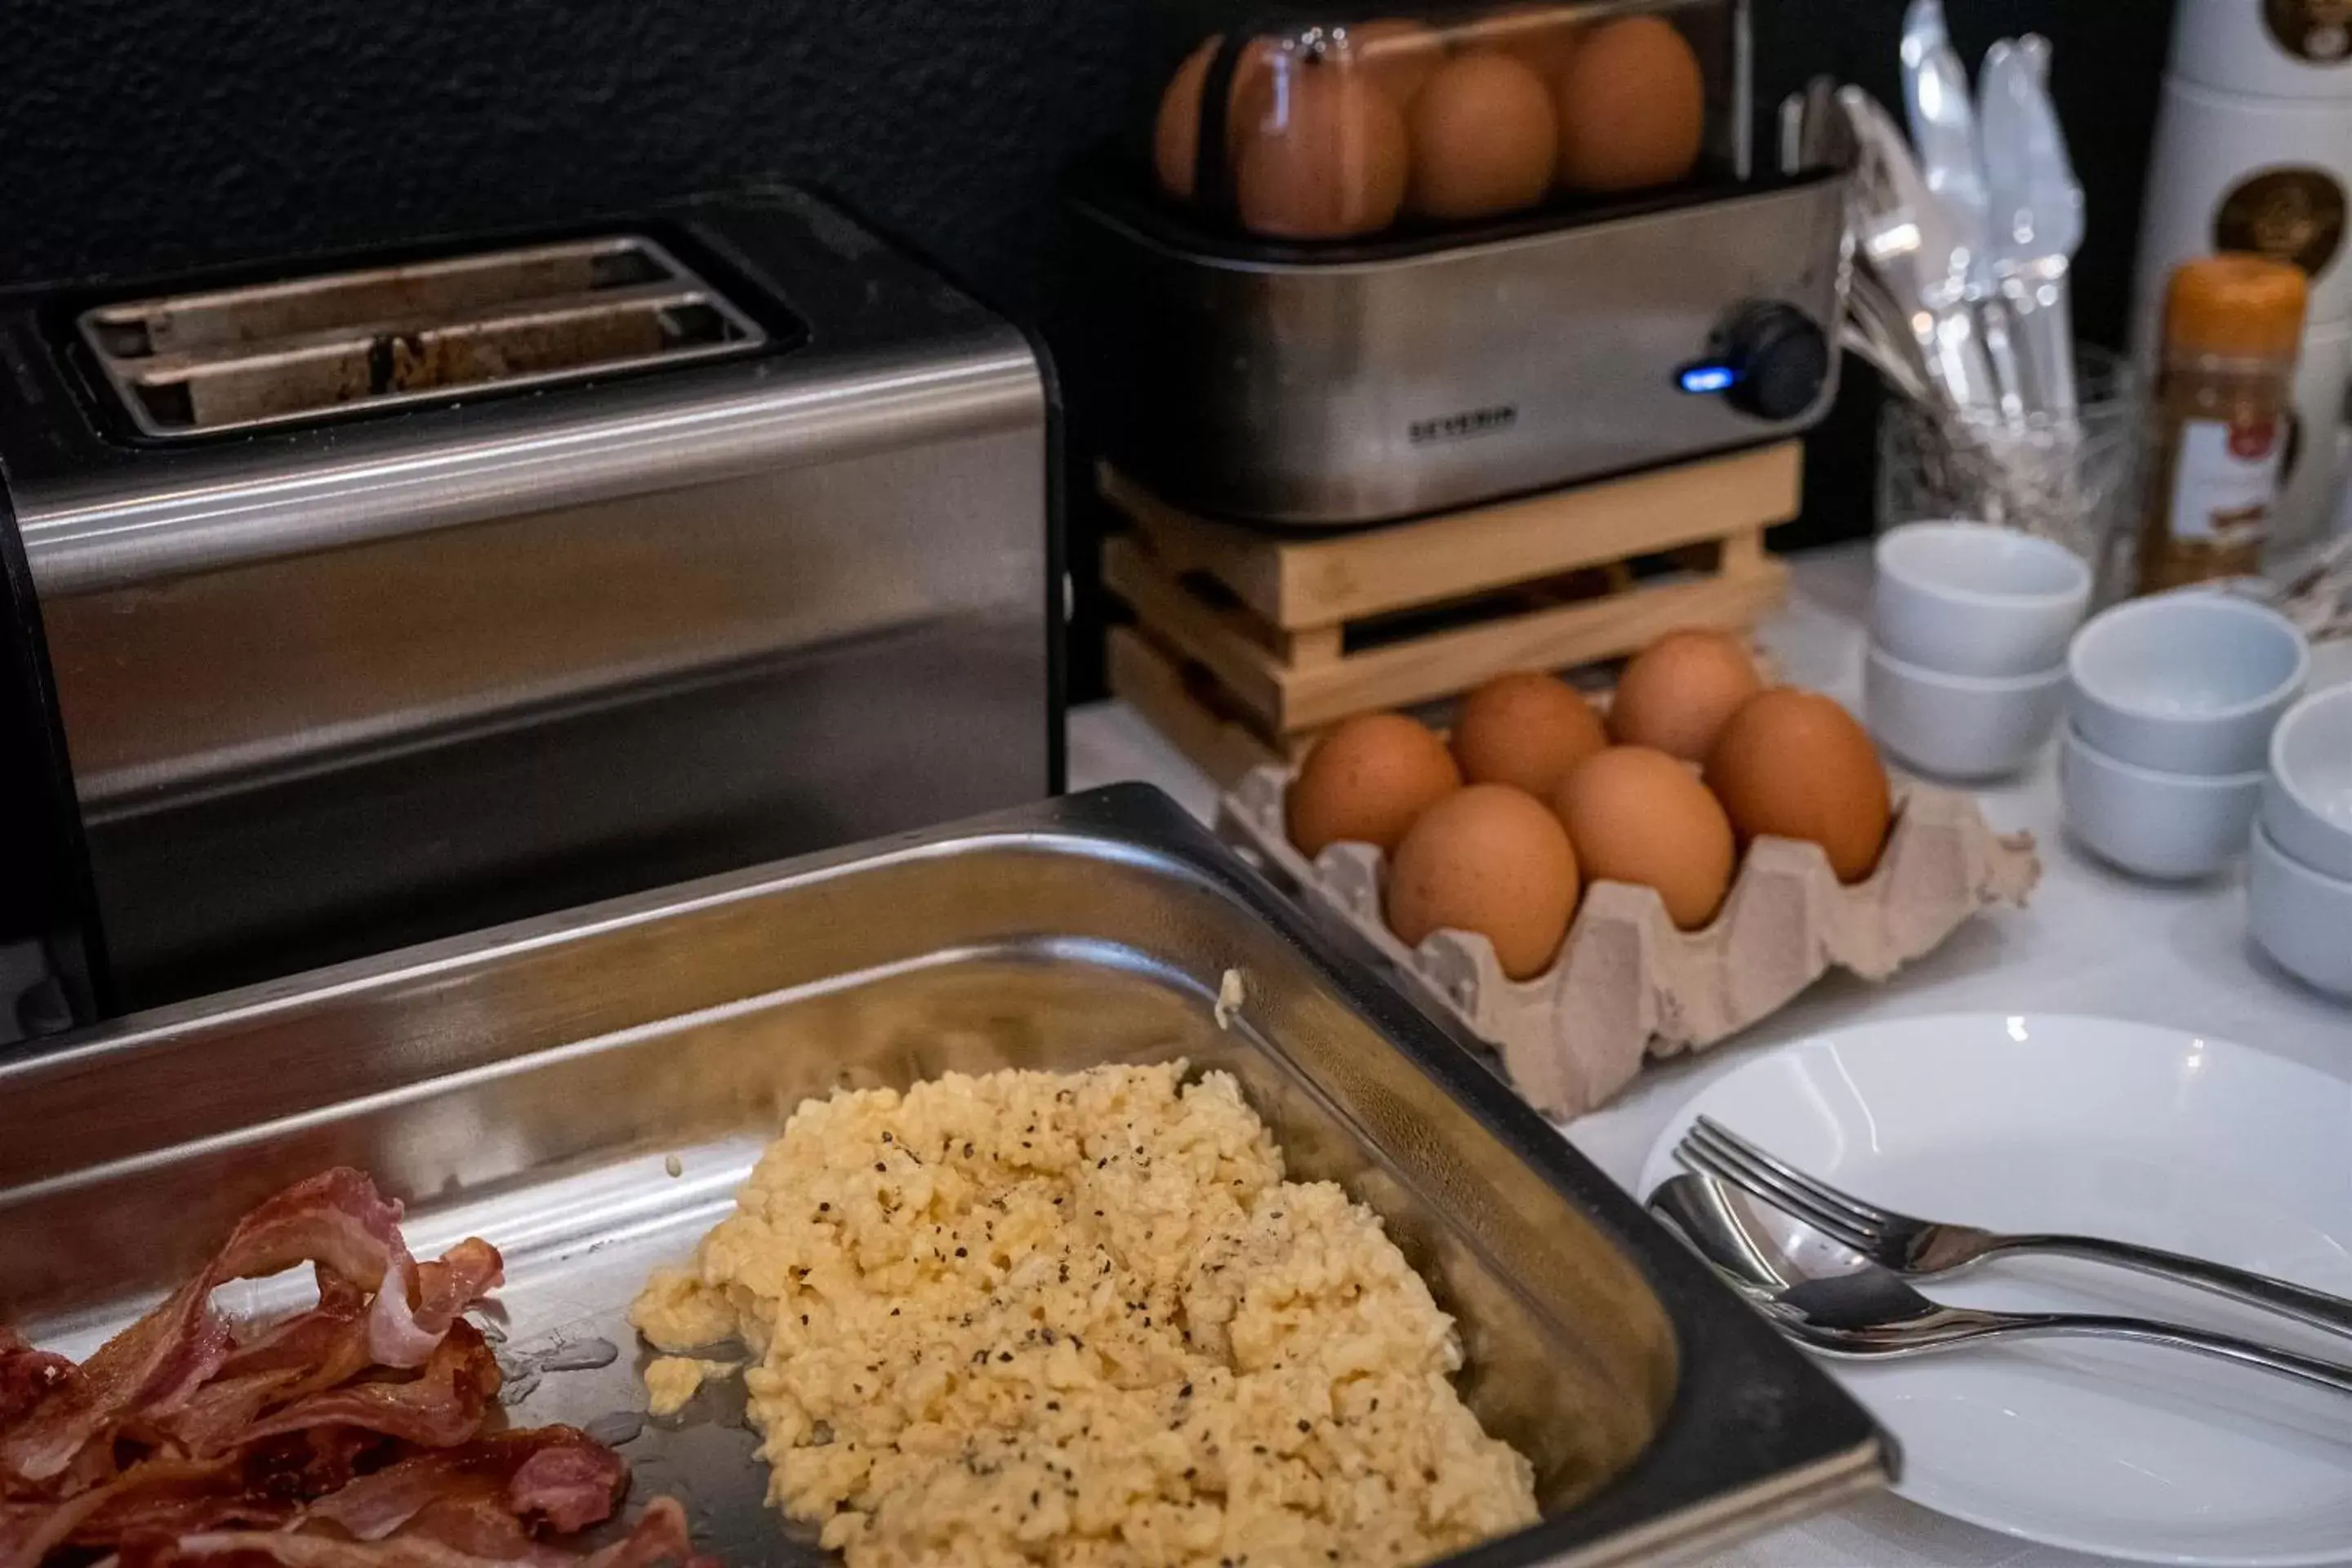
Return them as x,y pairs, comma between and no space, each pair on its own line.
138,135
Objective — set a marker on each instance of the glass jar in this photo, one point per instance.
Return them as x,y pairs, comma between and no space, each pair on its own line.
2221,417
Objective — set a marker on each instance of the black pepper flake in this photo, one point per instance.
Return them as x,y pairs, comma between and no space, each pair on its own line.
824,1208
967,1151
1185,1392
1307,1426
881,1167
885,1138
960,1253
894,1311
1037,1498
805,1320
1053,1405
1258,1447
1005,1355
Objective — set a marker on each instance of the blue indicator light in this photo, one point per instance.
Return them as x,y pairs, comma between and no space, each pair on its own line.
1707,378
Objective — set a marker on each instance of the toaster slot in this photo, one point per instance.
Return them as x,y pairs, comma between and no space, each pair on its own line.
203,363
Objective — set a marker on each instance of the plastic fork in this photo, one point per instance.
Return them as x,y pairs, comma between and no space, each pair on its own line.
1932,1249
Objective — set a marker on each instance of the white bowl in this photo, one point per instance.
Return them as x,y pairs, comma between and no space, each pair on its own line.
1956,728
2301,918
2170,826
1967,599
2186,683
2307,802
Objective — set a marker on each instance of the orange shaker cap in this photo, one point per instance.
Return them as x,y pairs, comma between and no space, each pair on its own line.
2246,307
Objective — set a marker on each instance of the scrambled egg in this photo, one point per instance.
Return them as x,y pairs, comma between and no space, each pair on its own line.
672,1381
1081,1319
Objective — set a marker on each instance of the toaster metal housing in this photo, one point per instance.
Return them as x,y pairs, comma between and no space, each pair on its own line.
724,533
1326,386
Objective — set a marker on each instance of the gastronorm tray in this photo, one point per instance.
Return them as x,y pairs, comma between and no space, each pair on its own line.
587,1090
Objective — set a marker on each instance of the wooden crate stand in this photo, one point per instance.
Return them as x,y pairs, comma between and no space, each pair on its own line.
1248,644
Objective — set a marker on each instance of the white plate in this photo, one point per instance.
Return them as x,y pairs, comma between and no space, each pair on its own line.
2119,1130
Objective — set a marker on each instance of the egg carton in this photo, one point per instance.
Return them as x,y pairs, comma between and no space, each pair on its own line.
1628,985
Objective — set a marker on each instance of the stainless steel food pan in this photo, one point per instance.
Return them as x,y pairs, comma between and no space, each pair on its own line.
587,1090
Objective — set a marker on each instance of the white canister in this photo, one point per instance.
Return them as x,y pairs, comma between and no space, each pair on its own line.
2306,503
2232,173
2272,48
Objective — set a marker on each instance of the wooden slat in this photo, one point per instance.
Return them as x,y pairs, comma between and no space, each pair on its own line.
1309,582
1312,644
1249,563
1448,662
1141,674
1215,640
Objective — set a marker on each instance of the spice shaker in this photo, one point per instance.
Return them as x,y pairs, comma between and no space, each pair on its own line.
2222,417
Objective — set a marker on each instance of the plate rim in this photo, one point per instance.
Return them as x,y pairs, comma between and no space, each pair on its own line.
1659,1163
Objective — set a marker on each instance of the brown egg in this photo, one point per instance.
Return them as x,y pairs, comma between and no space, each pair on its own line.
1542,37
1484,139
1525,731
1176,137
1397,54
1327,161
1638,816
1632,108
1678,691
1493,861
1794,764
1367,782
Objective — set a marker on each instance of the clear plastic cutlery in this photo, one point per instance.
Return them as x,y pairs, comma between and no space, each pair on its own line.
2037,216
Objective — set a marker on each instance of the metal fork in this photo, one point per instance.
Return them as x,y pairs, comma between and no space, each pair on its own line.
1930,1249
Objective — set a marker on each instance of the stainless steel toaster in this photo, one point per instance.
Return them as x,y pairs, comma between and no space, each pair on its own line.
361,602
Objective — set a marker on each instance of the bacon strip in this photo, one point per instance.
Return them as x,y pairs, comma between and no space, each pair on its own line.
27,1376
346,1436
442,1405
659,1537
556,1473
154,1369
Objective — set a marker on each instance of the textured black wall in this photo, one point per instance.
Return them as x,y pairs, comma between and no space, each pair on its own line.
145,134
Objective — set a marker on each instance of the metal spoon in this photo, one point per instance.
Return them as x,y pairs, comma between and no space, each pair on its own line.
1829,1298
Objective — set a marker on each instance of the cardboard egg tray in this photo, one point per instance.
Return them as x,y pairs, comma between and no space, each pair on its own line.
1628,985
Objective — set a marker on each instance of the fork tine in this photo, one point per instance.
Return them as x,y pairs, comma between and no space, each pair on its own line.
1760,1183
1877,1218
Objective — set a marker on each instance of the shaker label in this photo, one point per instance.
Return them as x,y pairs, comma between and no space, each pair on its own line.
2288,215
2227,479
2319,31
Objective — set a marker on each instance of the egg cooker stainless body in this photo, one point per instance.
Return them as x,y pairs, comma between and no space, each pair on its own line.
1322,386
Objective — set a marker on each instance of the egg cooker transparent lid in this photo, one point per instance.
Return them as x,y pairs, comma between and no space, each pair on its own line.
1328,127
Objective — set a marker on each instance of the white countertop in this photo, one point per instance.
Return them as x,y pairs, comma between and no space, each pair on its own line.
2091,942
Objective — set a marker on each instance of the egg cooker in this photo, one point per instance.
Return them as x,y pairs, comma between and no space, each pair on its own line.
1329,383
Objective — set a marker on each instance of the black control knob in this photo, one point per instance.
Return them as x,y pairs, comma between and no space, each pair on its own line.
1779,361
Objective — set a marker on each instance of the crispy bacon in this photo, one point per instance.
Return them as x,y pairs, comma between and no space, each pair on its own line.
461,1540
558,1474
27,1376
345,1435
336,1219
441,1406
